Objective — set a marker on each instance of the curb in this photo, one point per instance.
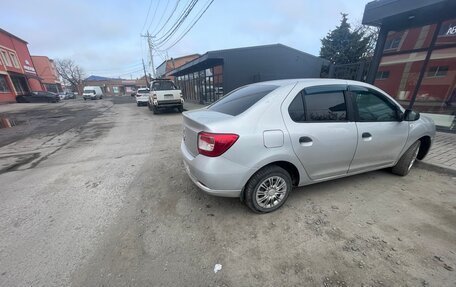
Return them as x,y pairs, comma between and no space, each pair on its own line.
436,168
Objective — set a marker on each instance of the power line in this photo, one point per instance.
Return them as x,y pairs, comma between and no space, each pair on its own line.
153,17
191,26
147,16
178,23
169,18
162,15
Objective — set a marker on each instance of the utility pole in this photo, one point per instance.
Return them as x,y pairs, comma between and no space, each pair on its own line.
151,46
145,75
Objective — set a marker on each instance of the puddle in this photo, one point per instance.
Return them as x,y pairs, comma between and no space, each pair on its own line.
8,123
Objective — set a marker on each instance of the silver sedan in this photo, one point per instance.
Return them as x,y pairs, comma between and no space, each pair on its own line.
261,140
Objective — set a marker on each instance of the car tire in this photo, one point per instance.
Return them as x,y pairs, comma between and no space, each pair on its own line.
407,160
137,104
258,185
154,109
180,109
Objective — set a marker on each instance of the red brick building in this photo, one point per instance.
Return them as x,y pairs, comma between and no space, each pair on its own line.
46,70
164,68
17,72
415,56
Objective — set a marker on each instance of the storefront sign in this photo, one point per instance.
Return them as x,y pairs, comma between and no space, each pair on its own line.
29,68
451,31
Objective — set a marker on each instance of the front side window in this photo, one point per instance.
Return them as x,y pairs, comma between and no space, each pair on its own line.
329,106
241,99
374,108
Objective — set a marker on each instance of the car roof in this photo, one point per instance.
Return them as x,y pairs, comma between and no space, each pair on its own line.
313,81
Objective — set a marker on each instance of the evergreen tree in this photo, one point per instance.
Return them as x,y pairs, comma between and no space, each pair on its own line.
344,45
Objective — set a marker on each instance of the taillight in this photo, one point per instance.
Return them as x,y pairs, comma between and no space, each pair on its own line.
210,144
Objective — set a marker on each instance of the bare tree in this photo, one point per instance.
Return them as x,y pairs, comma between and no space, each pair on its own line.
71,73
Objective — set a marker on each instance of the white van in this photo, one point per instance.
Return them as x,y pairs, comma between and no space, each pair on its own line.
92,93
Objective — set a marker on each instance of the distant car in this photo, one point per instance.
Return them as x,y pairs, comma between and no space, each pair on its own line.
38,97
165,95
92,93
142,97
261,140
66,95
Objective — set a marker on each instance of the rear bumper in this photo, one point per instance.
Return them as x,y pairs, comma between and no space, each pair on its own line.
215,176
168,103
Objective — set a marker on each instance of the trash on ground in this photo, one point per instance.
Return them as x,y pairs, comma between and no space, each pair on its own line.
217,268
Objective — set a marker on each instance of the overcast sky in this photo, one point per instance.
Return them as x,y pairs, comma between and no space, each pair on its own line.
103,36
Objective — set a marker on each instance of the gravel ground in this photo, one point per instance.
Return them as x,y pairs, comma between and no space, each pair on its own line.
103,200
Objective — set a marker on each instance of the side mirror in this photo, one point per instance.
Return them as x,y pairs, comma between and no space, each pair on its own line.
410,115
400,115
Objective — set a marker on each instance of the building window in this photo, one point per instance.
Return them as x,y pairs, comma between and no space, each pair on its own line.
3,85
437,71
393,43
20,84
115,90
381,75
6,58
14,60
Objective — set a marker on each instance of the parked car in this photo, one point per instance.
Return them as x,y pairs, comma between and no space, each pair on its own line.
261,140
142,97
38,97
165,95
92,93
66,95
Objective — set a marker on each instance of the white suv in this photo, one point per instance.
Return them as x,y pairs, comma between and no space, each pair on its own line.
165,95
142,97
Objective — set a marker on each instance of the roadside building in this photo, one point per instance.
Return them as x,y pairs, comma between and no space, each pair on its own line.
115,87
210,76
46,70
167,66
17,72
415,55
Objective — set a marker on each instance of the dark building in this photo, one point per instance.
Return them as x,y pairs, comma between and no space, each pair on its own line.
415,56
210,76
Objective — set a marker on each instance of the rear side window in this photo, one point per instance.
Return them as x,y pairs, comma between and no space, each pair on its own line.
163,86
241,99
296,109
326,107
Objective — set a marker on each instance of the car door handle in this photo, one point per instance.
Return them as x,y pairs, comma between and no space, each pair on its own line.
366,137
305,141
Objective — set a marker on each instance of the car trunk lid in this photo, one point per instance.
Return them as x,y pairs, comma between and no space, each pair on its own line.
168,95
196,122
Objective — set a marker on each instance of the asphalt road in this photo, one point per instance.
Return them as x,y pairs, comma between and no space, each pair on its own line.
95,194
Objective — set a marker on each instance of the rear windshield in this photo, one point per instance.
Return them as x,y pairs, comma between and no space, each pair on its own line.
89,91
143,90
163,86
241,99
